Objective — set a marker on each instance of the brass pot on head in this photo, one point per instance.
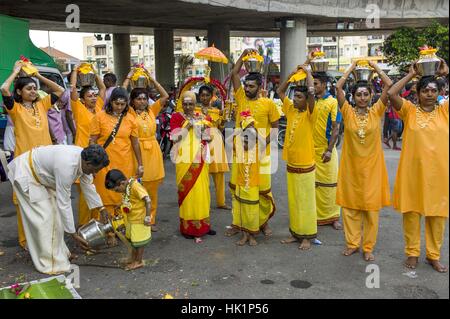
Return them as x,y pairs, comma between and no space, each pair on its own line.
428,65
319,64
363,74
86,78
140,83
253,66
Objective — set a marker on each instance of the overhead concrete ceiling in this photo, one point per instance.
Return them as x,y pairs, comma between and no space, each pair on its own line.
142,16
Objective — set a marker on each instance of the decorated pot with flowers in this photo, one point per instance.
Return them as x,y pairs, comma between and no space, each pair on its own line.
253,62
319,63
86,74
363,71
140,78
428,63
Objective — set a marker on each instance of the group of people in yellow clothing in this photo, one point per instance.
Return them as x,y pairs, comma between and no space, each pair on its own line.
319,186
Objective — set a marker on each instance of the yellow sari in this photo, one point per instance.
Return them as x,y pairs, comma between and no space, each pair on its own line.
192,177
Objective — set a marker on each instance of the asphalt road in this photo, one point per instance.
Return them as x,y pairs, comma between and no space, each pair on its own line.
217,268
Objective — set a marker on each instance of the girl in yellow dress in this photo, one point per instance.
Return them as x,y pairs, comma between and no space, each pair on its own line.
29,115
363,184
219,164
298,152
152,158
136,203
421,187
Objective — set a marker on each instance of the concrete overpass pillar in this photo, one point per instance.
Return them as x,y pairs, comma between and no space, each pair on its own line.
219,35
164,58
121,51
293,45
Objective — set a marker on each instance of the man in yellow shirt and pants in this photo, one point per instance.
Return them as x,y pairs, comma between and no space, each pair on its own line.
326,130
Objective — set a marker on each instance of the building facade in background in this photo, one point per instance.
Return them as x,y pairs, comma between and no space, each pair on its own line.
339,50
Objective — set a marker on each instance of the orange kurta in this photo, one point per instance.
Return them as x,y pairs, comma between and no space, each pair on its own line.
83,118
120,151
422,177
31,131
363,182
151,153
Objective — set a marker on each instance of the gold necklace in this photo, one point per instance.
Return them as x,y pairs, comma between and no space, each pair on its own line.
144,117
361,122
247,166
424,118
34,112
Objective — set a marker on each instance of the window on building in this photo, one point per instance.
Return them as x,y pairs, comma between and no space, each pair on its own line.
329,39
100,50
330,52
315,40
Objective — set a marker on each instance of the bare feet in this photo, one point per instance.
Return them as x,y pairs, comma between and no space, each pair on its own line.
125,261
267,231
386,142
231,232
111,241
252,241
337,225
437,266
134,265
289,240
305,245
73,257
411,262
350,251
243,240
369,257
224,207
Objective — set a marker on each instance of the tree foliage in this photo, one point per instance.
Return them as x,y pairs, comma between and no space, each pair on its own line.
402,47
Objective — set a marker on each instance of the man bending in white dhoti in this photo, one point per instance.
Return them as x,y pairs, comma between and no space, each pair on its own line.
42,179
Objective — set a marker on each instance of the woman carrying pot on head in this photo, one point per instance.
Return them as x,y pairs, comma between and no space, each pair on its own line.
218,165
29,115
116,130
151,153
363,184
421,186
190,134
85,105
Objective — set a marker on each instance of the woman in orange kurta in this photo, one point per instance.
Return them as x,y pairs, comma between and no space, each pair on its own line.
29,115
421,187
84,106
120,144
363,184
219,163
152,158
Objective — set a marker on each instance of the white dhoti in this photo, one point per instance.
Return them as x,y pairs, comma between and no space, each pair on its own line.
42,223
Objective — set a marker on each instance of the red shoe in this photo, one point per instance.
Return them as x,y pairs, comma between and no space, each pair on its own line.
396,148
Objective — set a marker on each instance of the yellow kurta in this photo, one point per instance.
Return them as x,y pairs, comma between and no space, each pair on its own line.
151,153
298,152
83,118
31,131
120,151
363,182
265,112
325,112
138,233
422,178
